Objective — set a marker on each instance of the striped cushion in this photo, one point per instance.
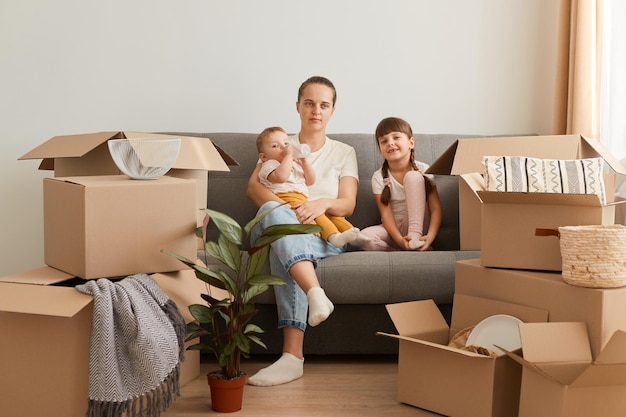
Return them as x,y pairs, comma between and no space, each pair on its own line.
523,174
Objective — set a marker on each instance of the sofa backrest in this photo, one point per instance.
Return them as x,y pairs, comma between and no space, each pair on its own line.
227,190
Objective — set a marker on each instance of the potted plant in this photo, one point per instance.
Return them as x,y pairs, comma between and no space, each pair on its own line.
224,324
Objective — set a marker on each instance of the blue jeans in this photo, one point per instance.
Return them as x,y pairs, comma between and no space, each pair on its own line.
291,301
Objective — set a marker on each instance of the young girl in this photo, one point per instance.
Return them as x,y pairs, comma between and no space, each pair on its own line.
407,199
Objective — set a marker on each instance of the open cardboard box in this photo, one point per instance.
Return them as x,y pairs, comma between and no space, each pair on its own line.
560,379
510,223
451,381
603,310
111,226
88,154
45,326
465,157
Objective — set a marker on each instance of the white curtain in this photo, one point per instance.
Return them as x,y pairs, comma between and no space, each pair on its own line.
613,84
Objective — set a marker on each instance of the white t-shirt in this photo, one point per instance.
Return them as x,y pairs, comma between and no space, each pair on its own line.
331,162
295,182
397,200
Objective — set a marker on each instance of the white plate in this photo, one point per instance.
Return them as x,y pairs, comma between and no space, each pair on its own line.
501,330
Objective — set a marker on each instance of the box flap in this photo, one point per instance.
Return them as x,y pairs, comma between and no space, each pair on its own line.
609,368
591,148
42,299
47,164
71,146
465,155
40,276
442,346
475,181
614,352
417,317
555,342
195,152
601,375
443,164
555,199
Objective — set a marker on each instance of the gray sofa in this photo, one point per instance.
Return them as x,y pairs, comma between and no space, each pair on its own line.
359,283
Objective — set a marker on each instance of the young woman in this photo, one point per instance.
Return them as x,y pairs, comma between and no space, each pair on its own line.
293,257
407,200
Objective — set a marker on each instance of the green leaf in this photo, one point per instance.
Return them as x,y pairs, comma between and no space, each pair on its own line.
242,342
230,253
256,261
252,328
267,279
228,283
226,225
258,218
213,250
201,346
255,290
257,340
209,276
184,260
201,313
291,229
260,283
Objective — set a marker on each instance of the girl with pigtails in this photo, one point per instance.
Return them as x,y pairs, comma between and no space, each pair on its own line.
407,199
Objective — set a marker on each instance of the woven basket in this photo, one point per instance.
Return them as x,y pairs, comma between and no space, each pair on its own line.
594,256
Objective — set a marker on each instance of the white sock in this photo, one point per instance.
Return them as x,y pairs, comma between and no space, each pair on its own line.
286,369
338,240
360,239
415,242
320,307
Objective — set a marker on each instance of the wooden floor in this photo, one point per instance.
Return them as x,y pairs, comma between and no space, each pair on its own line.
331,387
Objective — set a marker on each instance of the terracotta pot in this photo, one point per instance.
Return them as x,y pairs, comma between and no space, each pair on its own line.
226,394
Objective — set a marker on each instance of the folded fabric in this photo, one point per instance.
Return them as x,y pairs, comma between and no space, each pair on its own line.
534,175
136,344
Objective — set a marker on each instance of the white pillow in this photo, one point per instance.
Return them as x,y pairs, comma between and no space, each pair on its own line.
534,175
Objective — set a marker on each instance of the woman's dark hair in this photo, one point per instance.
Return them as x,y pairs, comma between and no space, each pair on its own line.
386,126
316,79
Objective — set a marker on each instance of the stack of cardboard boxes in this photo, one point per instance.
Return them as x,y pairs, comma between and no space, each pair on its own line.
573,356
97,224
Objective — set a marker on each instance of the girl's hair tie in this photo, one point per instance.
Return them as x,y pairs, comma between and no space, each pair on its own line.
386,181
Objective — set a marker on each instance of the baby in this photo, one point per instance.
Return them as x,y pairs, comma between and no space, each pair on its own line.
289,177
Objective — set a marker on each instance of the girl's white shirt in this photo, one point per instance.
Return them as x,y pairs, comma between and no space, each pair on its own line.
397,201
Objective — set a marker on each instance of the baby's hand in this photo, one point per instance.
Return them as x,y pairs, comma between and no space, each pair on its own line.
288,149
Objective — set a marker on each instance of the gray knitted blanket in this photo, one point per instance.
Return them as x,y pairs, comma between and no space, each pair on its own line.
137,342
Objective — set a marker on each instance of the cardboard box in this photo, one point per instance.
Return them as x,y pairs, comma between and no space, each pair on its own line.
45,349
603,310
88,154
451,381
560,379
465,157
45,326
511,221
111,226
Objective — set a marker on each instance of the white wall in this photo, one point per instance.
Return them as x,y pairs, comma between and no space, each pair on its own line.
74,66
